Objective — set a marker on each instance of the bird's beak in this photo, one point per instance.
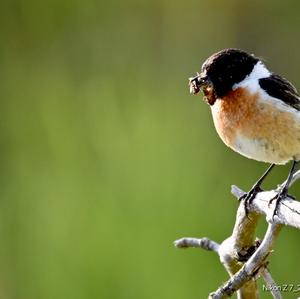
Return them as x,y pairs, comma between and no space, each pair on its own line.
197,82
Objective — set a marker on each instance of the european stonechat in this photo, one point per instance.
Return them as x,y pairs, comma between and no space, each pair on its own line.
255,112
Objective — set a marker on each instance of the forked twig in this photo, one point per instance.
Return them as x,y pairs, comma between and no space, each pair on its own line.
244,258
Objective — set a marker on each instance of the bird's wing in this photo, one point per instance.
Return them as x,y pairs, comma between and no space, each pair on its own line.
281,89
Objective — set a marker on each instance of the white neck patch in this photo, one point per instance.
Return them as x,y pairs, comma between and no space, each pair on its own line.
251,81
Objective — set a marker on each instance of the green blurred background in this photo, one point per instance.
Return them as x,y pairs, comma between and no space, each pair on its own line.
106,158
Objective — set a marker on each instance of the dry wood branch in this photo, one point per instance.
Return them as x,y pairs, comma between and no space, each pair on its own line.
288,212
251,267
203,243
244,258
270,284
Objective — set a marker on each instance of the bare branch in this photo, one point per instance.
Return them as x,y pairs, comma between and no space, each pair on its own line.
271,285
242,256
249,270
288,212
203,243
236,249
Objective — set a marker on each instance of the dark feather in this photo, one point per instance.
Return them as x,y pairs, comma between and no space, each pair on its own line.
281,89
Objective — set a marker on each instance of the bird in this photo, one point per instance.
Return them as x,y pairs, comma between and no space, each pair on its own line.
255,112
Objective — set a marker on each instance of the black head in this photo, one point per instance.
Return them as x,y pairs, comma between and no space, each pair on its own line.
222,70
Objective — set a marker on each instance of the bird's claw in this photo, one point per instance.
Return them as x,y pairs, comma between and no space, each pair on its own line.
282,194
249,197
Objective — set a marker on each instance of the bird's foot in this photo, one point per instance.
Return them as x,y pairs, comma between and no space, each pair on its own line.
248,197
282,194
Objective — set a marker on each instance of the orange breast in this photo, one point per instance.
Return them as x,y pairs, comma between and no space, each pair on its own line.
274,130
237,111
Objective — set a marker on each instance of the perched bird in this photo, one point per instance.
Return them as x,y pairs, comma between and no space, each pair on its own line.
255,112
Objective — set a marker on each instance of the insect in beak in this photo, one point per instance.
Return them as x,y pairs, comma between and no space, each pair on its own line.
197,82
